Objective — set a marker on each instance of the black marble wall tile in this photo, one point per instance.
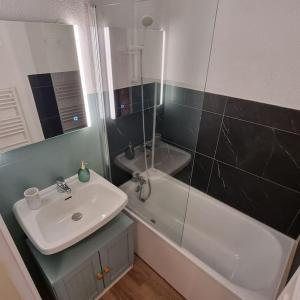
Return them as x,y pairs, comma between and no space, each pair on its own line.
283,163
201,172
150,95
260,199
183,96
159,119
149,115
181,124
265,114
246,154
127,129
45,102
185,174
40,80
51,127
266,152
214,103
245,145
121,132
174,94
123,103
152,92
194,98
208,133
295,229
128,100
118,176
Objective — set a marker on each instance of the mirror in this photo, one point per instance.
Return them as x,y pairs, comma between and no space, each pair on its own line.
40,88
132,52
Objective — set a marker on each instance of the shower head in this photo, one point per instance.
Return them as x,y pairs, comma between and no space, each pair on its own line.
147,21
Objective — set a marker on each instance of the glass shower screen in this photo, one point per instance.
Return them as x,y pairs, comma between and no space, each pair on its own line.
153,93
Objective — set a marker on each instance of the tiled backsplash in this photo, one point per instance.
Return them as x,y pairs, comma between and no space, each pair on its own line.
129,100
121,132
247,154
128,125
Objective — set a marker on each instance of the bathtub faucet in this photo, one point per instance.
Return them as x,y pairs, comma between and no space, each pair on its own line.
136,177
141,181
147,146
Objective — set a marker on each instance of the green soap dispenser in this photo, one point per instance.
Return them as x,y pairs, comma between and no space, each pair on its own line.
83,172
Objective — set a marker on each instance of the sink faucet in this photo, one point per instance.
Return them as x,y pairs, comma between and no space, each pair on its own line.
62,187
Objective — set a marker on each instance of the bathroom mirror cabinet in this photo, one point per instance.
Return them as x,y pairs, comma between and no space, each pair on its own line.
40,88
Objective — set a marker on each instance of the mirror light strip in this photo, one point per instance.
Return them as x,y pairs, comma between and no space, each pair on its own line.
109,73
162,68
82,78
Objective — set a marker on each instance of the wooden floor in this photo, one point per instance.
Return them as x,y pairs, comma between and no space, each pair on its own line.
141,283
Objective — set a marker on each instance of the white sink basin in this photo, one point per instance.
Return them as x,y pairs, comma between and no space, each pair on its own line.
168,159
52,229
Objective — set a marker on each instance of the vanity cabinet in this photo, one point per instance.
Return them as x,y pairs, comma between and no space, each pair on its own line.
81,283
86,269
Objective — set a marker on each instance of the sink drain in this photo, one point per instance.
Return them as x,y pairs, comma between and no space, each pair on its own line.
153,221
77,216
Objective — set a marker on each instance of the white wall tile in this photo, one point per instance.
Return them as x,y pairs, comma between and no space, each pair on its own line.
189,37
256,51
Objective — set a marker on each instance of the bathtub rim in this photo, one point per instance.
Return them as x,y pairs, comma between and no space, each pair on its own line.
159,174
288,244
234,288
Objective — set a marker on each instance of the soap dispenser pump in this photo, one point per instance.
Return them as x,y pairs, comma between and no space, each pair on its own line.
83,172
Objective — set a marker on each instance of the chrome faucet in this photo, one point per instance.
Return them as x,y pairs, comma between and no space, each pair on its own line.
61,185
141,182
146,146
136,177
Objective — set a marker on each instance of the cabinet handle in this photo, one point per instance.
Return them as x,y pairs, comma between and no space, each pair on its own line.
106,270
99,276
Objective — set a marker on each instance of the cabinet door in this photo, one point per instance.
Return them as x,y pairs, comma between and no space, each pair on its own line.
116,257
82,283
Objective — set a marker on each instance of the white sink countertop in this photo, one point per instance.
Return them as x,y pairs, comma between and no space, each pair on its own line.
51,227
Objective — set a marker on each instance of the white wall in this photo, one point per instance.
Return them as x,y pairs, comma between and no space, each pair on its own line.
255,54
256,51
128,13
126,31
15,281
188,25
126,56
66,11
189,28
13,75
256,46
52,46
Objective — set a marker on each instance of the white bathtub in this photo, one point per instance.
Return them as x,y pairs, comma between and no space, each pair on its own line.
224,253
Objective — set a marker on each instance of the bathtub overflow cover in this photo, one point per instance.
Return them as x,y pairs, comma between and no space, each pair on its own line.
77,216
